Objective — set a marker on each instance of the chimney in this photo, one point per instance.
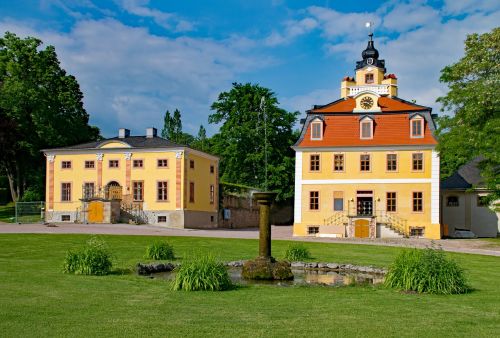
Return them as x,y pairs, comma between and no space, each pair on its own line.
122,133
150,132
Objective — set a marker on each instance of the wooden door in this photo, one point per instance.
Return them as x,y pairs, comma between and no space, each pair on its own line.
362,228
96,212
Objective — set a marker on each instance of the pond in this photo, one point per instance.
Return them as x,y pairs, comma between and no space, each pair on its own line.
302,277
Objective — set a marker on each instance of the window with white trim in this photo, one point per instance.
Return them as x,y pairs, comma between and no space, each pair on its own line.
366,129
317,130
417,127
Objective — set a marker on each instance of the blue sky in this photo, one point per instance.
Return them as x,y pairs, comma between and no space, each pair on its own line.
134,59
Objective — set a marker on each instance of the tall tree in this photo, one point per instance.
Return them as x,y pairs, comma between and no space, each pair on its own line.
177,125
168,126
201,142
40,107
473,97
249,114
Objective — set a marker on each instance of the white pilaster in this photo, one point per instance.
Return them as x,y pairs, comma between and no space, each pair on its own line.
435,188
297,214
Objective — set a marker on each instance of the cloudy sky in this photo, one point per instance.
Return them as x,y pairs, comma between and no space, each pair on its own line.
134,59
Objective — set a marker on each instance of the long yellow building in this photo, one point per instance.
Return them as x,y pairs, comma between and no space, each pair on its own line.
145,179
366,164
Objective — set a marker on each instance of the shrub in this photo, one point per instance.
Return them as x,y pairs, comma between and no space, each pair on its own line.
202,273
428,271
160,251
93,259
297,252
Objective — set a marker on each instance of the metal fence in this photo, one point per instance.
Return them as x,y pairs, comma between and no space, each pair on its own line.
30,212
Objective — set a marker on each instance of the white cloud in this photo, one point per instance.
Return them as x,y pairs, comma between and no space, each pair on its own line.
404,17
293,29
470,6
305,101
130,77
167,20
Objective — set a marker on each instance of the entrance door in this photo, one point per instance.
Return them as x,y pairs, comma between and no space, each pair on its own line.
364,203
361,228
96,212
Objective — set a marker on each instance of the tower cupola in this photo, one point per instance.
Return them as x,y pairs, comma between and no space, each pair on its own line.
370,56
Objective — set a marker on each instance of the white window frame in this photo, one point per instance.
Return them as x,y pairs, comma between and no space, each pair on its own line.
420,119
366,120
320,123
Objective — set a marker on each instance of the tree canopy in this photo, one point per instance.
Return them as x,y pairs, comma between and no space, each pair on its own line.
473,96
40,107
247,112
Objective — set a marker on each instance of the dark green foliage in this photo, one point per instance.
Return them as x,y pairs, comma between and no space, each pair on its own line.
93,259
40,107
428,271
247,112
473,97
297,252
202,273
32,194
160,251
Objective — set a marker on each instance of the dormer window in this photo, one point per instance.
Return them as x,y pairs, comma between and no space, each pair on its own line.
366,128
417,127
317,130
369,78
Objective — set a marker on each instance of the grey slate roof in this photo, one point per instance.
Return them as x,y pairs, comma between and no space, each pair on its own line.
466,177
133,141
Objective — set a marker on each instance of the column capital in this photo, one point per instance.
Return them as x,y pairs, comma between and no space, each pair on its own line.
99,156
128,156
51,158
179,154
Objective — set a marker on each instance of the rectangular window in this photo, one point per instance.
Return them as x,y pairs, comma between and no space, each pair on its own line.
162,219
417,232
365,162
138,191
88,190
338,201
314,163
417,128
212,194
366,130
418,200
452,201
417,161
212,169
114,163
162,163
338,162
65,218
138,164
316,132
66,192
66,164
89,164
312,230
314,200
191,192
191,164
392,162
391,202
369,78
162,193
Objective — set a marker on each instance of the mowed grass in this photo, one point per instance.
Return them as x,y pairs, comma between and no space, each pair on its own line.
36,299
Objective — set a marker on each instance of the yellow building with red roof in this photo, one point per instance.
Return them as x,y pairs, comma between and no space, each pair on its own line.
366,164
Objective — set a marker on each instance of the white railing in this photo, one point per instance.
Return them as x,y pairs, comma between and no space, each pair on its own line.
379,89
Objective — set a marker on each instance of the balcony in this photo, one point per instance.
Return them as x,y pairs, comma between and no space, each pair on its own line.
378,89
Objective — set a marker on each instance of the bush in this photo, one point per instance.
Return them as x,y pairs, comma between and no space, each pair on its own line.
31,195
160,251
428,271
93,259
297,252
202,273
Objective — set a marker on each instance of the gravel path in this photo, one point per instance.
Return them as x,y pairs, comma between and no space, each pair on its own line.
473,246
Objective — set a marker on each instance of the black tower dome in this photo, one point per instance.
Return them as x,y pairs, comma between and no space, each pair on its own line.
370,56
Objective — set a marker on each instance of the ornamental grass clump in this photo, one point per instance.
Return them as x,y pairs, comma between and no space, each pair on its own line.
297,252
202,273
428,270
160,251
93,259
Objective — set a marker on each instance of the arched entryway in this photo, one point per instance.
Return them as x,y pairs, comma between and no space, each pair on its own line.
114,191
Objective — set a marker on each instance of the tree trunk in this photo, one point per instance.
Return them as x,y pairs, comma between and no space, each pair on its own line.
12,186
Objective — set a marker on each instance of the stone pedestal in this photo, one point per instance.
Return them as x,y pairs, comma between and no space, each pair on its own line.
265,199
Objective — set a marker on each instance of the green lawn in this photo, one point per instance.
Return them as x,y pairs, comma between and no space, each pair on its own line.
36,299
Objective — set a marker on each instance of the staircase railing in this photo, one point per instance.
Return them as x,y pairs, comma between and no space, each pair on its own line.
338,218
394,222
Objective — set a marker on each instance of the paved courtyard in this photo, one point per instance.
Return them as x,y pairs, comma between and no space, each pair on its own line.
475,246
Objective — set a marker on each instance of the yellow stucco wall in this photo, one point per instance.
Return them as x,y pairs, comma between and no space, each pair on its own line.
378,75
202,179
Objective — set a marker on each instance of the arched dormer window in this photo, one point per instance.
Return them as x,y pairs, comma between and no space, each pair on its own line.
417,126
317,129
366,128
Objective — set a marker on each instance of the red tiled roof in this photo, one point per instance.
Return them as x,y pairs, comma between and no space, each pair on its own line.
387,104
390,129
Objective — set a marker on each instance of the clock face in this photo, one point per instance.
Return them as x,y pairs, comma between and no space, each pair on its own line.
366,102
369,61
